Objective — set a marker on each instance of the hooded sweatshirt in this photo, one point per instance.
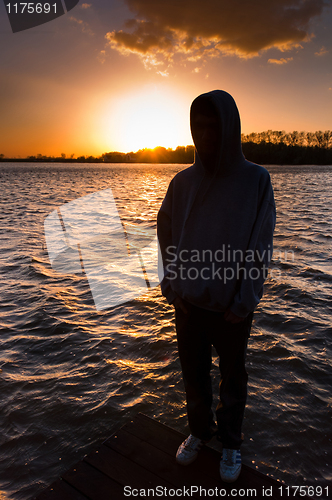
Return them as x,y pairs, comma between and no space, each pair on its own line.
215,228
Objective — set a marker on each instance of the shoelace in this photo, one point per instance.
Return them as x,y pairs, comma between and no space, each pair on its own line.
192,443
230,458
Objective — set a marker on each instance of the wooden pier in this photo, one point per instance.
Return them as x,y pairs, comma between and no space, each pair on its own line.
141,457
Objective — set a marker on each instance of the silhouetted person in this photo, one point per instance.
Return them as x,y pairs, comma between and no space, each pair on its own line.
215,229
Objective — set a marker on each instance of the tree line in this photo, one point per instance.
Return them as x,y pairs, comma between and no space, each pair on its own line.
294,148
182,154
269,147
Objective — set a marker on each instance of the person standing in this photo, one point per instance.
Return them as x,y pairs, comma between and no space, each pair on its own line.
215,231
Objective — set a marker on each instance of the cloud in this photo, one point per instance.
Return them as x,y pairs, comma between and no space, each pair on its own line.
84,26
283,60
165,31
102,56
321,52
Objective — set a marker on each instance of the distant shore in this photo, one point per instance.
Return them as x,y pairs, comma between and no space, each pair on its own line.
271,147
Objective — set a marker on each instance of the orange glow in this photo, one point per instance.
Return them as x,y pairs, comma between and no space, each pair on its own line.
145,120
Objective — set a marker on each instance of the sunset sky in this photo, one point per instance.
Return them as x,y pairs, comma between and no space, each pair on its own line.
119,75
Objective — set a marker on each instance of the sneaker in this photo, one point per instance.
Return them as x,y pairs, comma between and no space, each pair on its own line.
188,450
230,465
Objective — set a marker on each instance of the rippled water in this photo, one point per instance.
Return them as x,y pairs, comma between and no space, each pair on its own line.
71,375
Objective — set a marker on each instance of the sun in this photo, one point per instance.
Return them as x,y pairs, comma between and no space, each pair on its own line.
149,124
146,120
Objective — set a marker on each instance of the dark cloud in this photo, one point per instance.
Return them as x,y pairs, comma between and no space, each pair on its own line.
163,30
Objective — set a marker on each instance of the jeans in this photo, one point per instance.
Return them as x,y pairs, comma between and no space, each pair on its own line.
197,331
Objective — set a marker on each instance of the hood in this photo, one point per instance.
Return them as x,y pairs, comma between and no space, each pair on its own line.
229,152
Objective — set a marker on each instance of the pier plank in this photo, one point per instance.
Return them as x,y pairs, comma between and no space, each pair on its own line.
60,490
116,466
206,465
141,455
92,483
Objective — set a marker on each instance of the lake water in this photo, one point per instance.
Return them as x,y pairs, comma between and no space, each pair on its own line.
71,375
